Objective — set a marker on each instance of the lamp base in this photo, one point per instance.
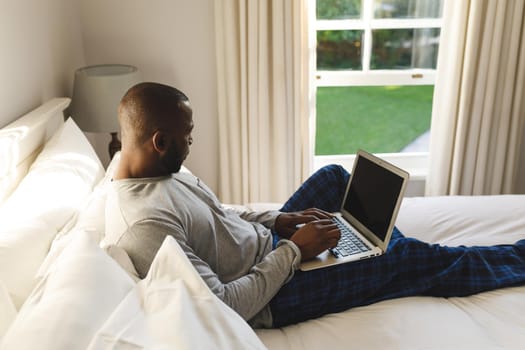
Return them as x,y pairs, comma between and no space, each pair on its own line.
114,145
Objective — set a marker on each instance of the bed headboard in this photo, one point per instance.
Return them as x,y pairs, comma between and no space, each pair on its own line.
22,140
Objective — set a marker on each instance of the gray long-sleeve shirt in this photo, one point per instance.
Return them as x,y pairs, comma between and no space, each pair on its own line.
231,251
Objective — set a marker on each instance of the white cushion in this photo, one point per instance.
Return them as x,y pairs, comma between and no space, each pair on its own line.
172,308
92,214
67,307
23,247
90,218
122,258
63,174
8,313
174,294
127,328
57,183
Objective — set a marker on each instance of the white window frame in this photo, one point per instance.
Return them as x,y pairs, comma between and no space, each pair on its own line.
416,163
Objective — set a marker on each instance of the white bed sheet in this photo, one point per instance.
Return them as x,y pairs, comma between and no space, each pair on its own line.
490,320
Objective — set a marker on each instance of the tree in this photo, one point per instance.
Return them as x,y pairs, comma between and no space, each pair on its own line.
338,9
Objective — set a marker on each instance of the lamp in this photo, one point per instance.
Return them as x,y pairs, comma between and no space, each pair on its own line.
97,92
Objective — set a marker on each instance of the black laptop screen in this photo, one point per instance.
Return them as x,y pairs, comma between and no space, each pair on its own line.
372,196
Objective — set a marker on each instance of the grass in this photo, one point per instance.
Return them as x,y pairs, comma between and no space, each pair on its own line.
380,119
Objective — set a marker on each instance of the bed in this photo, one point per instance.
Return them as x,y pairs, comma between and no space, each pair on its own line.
61,287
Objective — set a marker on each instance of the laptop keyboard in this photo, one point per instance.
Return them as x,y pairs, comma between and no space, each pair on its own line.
349,243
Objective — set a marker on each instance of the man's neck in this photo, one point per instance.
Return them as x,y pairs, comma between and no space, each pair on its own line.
137,166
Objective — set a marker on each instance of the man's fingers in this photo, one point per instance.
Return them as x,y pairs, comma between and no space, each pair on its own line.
303,219
335,233
320,214
324,223
332,237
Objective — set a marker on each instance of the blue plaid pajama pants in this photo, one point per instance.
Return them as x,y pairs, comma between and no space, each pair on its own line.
409,267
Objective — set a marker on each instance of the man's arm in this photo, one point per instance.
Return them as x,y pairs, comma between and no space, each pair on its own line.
247,295
266,218
285,224
250,293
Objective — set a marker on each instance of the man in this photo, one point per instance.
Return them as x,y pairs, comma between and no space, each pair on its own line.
252,270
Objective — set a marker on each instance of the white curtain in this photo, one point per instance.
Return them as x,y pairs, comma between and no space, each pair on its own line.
264,98
479,111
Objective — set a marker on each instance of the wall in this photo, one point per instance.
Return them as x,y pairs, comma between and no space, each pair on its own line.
172,42
40,44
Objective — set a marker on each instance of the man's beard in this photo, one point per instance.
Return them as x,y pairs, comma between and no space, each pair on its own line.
172,161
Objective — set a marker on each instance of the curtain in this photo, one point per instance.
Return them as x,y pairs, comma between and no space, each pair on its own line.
264,98
478,111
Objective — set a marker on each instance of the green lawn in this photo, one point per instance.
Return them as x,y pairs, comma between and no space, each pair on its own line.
379,119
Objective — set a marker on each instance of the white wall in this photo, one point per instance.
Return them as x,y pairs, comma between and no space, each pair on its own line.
171,42
40,44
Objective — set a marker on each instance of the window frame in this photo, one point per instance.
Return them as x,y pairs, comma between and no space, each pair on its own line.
416,163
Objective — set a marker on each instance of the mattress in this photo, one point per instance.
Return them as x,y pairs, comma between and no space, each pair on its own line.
490,320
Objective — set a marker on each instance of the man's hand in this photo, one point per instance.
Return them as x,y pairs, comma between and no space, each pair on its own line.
315,237
286,223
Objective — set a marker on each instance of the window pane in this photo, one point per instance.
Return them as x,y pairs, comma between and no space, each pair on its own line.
380,119
404,48
408,8
339,49
338,9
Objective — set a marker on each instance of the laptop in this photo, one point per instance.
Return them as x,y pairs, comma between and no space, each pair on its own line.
368,212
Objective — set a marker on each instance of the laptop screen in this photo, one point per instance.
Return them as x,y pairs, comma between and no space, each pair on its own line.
373,195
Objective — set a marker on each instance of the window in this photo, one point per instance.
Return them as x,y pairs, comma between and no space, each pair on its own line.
375,73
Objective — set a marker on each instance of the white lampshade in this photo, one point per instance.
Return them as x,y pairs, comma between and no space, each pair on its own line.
97,92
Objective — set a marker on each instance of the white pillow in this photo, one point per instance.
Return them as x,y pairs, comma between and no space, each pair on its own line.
23,247
126,328
55,186
90,218
67,307
8,180
172,308
92,215
181,310
122,258
8,313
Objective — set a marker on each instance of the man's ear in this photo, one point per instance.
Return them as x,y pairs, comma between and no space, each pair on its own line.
159,141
